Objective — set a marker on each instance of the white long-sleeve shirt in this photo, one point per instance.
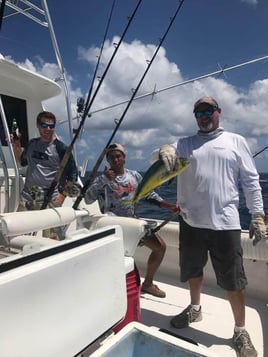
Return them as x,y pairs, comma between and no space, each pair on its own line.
208,190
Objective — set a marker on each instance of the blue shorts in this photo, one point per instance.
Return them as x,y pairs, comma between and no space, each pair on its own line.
225,251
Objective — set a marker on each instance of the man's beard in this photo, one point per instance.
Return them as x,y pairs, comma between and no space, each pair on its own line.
206,126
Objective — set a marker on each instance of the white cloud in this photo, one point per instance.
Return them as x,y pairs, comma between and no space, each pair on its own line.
164,117
158,118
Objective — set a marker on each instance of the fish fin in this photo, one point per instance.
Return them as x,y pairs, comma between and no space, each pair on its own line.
128,202
132,201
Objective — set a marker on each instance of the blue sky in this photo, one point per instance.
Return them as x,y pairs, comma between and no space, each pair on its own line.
206,35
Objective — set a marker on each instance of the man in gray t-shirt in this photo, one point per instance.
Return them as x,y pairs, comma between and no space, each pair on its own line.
42,156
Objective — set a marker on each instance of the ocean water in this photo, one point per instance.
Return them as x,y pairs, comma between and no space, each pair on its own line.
168,192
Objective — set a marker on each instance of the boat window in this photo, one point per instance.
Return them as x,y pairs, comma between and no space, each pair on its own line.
14,108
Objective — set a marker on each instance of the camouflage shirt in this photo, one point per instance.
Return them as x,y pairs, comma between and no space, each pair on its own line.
115,194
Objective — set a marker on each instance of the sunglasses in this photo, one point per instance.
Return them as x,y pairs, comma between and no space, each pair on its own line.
45,126
207,112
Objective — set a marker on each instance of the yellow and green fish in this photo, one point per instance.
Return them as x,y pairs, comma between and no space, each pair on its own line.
156,175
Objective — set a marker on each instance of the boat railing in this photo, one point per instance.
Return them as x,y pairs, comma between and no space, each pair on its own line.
5,166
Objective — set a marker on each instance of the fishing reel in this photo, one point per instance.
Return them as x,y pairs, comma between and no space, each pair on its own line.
80,104
37,193
150,227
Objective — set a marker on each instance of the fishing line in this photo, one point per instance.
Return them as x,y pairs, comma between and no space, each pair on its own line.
98,163
68,152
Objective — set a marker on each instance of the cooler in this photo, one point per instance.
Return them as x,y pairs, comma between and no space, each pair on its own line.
133,312
138,340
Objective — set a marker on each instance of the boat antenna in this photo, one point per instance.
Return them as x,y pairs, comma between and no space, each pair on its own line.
69,149
118,123
257,153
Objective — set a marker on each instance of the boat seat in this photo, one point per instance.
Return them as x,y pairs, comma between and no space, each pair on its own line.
133,229
20,241
33,221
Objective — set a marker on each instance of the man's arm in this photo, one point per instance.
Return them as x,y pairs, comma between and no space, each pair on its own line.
157,200
95,190
170,206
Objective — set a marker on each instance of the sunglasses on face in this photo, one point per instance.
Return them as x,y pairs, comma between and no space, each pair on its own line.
207,112
45,126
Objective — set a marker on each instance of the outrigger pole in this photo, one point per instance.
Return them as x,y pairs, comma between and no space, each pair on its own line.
98,163
68,152
152,93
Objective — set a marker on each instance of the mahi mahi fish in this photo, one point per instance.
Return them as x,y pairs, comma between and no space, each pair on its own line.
156,175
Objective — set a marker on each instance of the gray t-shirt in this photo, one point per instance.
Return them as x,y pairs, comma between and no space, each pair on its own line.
43,161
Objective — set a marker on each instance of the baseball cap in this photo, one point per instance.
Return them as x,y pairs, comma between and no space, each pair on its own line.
114,147
208,100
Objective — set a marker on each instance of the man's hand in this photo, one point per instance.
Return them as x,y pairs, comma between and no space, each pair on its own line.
257,228
170,206
16,147
110,174
72,189
15,138
57,202
168,155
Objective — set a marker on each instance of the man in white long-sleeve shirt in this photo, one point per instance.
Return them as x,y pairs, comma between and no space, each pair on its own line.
208,195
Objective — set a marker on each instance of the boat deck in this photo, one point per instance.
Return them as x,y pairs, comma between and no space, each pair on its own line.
216,329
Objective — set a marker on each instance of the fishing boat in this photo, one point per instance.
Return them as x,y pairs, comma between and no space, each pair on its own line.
70,297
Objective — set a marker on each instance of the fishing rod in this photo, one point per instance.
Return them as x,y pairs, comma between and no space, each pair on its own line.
81,104
257,153
2,8
118,123
100,54
170,218
154,92
69,149
110,62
